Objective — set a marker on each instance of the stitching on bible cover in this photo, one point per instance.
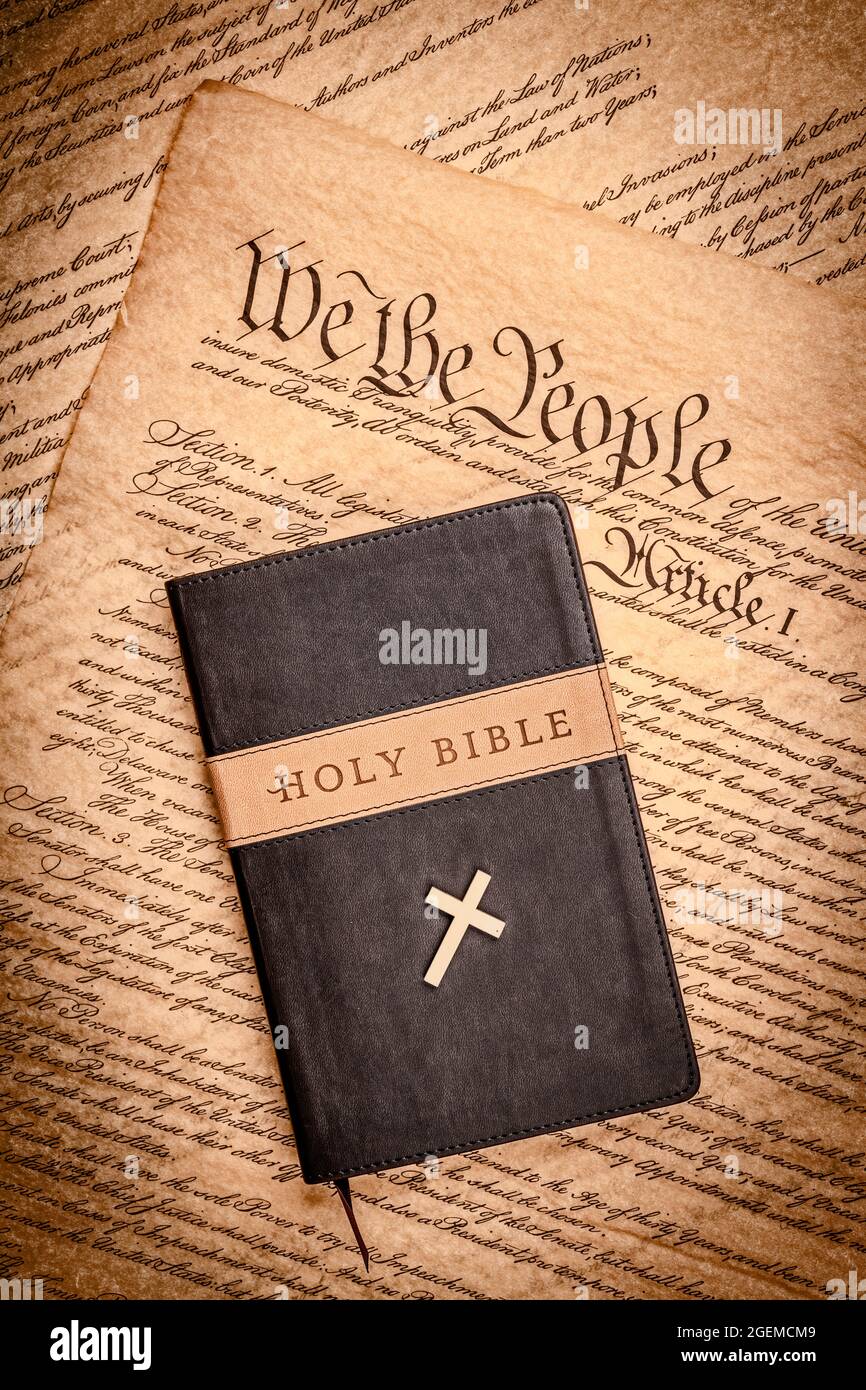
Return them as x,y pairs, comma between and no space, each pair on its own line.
253,566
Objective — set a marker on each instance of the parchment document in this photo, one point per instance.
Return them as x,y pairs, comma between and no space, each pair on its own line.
326,335
742,129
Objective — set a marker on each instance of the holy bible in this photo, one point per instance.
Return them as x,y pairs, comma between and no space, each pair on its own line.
435,838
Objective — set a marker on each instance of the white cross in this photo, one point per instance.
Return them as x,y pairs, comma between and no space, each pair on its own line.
464,913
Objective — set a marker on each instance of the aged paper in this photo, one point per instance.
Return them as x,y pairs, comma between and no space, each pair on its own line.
321,346
579,100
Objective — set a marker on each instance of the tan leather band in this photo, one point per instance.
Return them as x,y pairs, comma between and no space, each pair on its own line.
402,759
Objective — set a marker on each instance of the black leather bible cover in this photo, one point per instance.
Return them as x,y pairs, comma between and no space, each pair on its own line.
572,1012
